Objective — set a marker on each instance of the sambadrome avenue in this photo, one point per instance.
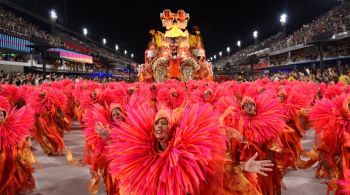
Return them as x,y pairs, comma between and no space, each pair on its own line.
175,97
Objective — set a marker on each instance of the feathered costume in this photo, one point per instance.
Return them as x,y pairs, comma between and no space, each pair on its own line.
295,102
15,156
99,150
331,120
49,106
184,167
67,86
261,131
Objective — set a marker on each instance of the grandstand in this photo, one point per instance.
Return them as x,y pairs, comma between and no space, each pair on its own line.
70,51
325,42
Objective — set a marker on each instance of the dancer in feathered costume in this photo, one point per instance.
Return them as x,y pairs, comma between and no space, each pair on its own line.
86,93
98,122
208,93
15,156
67,86
49,106
63,119
260,121
104,98
172,95
331,121
239,176
295,104
150,157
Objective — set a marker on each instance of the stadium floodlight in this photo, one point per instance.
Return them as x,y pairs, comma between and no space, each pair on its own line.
104,41
125,52
283,19
214,57
239,44
220,53
53,15
255,34
132,55
85,31
116,47
228,49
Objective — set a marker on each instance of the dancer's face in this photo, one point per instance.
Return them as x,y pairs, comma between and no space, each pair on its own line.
161,129
117,114
94,95
249,108
173,92
131,91
2,116
207,95
281,97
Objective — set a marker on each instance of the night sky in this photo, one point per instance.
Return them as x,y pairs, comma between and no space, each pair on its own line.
222,23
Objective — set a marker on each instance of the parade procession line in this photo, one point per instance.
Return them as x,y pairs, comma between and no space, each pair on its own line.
54,176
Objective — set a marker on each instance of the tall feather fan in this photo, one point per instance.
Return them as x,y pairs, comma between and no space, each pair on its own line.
181,168
16,127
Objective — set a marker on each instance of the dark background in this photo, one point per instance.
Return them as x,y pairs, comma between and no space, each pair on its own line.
222,23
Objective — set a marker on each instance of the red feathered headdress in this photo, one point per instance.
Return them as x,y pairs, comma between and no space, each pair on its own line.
333,90
47,100
119,96
172,96
294,101
330,119
266,124
16,127
11,92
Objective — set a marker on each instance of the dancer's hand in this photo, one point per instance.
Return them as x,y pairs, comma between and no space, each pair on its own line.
98,128
259,167
102,131
233,133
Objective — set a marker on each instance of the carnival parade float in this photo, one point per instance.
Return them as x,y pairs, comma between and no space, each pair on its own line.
175,54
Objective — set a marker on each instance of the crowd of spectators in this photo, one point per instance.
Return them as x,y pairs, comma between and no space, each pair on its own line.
333,22
330,75
324,27
19,27
96,49
11,24
332,50
17,78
